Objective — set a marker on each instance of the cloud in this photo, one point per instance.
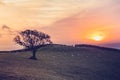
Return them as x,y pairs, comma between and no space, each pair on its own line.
6,30
5,27
42,12
1,2
76,27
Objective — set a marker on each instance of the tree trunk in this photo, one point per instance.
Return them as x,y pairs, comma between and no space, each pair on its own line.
34,54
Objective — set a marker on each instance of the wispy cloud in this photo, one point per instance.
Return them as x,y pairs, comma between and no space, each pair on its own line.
5,27
104,19
42,12
6,30
1,2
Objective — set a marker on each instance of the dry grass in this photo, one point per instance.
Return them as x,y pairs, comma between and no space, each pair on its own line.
61,63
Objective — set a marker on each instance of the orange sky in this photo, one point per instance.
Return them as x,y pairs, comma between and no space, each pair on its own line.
67,21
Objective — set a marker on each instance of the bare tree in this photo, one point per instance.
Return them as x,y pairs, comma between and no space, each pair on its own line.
32,39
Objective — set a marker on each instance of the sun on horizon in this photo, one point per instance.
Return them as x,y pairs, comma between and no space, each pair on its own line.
97,37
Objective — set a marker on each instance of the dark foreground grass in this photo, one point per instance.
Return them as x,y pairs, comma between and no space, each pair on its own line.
61,63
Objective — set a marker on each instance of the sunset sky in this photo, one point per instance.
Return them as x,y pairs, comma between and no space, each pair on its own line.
66,21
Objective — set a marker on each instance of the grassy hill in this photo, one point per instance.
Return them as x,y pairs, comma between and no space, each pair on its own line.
59,62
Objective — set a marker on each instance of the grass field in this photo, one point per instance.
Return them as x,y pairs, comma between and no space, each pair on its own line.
59,62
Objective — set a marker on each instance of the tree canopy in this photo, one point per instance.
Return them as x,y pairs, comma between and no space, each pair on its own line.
32,39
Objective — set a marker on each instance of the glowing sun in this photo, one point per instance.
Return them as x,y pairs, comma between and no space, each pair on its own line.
97,38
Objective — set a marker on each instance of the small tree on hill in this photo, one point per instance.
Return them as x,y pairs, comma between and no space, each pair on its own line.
32,39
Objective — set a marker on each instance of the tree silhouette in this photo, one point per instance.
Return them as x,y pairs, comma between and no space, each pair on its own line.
32,39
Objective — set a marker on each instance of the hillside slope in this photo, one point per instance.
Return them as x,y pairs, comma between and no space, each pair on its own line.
62,63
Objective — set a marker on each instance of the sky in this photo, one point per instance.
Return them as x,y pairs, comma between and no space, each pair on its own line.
66,21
